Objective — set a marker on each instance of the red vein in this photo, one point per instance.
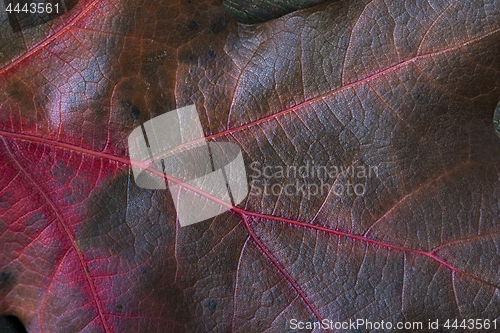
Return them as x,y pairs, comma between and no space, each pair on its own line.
364,239
50,142
463,240
49,39
67,231
414,192
236,281
241,211
350,85
278,266
333,92
138,164
438,17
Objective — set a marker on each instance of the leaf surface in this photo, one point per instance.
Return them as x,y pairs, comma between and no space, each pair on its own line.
407,88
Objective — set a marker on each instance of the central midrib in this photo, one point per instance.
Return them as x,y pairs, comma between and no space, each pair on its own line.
238,210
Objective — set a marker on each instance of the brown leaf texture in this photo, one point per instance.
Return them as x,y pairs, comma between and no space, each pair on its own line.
406,89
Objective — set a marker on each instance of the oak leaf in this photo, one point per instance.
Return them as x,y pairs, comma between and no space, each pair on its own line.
404,89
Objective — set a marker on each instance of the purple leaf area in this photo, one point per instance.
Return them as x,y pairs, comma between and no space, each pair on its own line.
366,129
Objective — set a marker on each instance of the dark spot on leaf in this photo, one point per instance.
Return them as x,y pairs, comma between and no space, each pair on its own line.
421,94
11,324
211,54
119,306
135,112
4,201
133,109
36,217
219,25
193,25
7,282
212,304
5,276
